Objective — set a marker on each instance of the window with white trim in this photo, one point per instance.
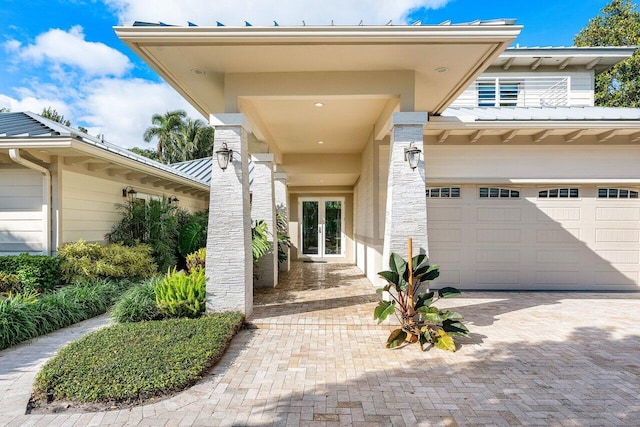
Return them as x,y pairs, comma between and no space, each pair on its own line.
498,193
617,193
443,192
559,193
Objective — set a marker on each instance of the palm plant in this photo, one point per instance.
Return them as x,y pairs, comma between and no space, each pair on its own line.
167,129
196,139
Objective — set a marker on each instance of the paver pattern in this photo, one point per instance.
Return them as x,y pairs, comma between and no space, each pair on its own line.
315,357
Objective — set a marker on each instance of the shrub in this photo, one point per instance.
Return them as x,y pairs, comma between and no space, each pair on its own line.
23,317
129,362
196,260
9,283
181,295
35,272
137,304
82,260
193,232
420,321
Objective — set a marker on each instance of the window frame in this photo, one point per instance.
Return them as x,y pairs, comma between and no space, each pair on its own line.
558,191
450,190
630,192
500,190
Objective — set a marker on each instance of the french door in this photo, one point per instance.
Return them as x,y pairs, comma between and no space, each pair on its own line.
322,226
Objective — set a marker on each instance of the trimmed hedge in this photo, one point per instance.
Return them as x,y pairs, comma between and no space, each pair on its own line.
129,362
38,273
26,316
138,304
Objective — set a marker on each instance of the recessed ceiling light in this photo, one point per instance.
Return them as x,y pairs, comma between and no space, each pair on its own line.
197,71
442,70
320,142
322,180
319,104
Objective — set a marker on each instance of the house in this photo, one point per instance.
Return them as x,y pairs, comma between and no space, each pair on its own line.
521,183
59,185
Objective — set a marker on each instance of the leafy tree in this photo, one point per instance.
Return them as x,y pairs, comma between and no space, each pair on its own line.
5,110
617,25
146,152
83,129
167,130
52,114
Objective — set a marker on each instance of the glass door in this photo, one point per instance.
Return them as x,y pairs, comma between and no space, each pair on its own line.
322,225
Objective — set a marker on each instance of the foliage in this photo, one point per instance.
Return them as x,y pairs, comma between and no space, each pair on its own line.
260,244
149,153
181,295
52,114
193,233
138,304
130,362
82,260
284,240
38,273
9,283
196,260
26,316
196,139
617,25
420,321
5,110
166,129
154,223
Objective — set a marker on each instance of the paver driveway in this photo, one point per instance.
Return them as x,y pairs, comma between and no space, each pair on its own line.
315,357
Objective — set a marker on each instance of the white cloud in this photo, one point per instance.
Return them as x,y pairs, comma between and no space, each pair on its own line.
264,12
34,105
69,48
122,109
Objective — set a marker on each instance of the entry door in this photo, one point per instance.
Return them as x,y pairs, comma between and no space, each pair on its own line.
322,223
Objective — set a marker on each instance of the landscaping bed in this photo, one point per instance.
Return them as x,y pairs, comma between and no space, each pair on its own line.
130,363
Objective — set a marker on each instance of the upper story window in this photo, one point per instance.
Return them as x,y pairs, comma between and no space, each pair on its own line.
443,192
562,193
506,94
498,193
617,193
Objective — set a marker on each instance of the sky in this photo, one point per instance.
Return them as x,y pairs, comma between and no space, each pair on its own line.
64,53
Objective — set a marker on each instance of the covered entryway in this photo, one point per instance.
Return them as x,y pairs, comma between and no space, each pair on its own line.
551,236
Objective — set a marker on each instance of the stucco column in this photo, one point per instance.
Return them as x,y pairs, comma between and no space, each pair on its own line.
229,262
282,207
263,207
406,214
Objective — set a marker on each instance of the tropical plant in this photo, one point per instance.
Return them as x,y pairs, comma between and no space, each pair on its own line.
193,232
196,260
284,240
52,114
181,295
196,139
419,320
260,244
154,223
149,153
167,130
138,304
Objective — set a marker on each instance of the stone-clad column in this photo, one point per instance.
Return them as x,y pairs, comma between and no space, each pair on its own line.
263,207
406,214
282,206
229,261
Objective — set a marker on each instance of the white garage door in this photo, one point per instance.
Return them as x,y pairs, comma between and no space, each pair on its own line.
534,237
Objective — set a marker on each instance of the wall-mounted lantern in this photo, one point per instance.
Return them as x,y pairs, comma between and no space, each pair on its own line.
129,192
224,156
412,155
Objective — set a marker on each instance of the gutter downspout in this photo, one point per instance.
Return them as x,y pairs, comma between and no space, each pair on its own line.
14,153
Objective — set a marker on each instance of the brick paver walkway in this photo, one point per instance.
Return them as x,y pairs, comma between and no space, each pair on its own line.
316,358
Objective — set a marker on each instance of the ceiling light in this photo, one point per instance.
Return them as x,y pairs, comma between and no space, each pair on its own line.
197,71
319,104
320,142
442,70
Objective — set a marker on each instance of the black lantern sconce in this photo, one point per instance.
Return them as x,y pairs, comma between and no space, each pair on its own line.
224,156
173,199
129,192
412,155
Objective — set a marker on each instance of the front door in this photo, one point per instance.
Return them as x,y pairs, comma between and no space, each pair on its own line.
322,225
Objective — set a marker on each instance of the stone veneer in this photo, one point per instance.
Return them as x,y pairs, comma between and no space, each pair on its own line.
282,206
263,207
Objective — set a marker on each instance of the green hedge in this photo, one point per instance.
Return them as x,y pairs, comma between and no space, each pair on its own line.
38,273
26,316
129,362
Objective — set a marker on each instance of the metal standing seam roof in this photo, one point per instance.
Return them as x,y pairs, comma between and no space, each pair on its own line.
27,124
201,169
543,113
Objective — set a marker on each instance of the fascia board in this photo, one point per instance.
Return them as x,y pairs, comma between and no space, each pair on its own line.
47,142
533,124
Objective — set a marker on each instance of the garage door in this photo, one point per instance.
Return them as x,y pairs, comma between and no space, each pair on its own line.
535,237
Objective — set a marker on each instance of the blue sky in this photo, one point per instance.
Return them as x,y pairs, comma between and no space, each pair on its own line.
67,56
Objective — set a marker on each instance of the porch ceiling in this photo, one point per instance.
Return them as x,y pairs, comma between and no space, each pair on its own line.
361,74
